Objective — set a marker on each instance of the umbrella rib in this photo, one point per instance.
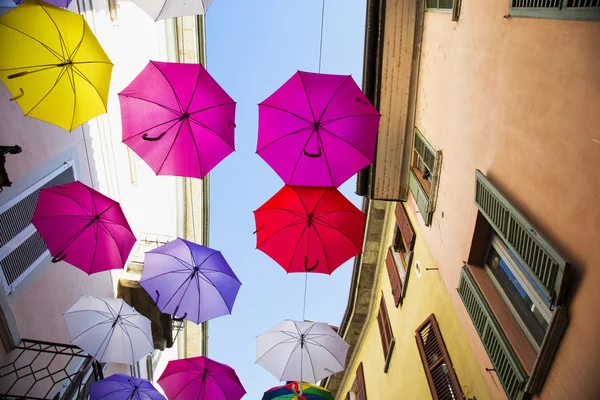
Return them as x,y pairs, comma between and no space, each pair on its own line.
288,112
282,228
326,213
62,216
72,239
329,132
152,102
325,156
219,385
152,127
218,291
109,233
195,88
76,49
50,50
170,149
319,201
290,358
189,278
333,96
91,327
307,128
83,208
85,78
312,367
327,350
301,153
295,213
165,273
306,211
330,121
95,248
71,77
286,341
184,263
63,45
186,385
210,129
340,231
211,107
171,86
189,126
198,287
307,98
58,78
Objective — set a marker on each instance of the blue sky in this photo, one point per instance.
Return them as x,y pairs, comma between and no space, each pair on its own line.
253,48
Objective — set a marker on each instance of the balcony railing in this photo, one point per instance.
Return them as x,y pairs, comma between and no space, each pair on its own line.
42,370
148,241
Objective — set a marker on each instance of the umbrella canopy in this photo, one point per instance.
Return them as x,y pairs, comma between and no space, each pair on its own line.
124,387
200,378
317,130
109,330
190,280
309,229
291,392
53,65
83,227
163,9
57,3
301,351
178,119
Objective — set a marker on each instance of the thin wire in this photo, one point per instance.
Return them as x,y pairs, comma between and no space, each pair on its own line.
305,290
87,155
321,41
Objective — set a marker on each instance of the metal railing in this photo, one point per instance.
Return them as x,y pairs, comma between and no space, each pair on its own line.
43,370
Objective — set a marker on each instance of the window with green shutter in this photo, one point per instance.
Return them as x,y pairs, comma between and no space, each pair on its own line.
556,9
523,276
424,176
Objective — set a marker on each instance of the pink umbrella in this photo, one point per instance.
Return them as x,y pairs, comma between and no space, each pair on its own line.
200,378
317,130
178,119
83,227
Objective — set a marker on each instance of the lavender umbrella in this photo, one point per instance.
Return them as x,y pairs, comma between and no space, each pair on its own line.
57,3
190,280
124,387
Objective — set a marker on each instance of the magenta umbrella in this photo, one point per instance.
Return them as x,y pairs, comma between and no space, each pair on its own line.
317,130
57,3
178,119
83,227
200,378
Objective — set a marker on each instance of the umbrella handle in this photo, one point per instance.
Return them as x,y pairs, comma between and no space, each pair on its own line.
59,257
311,268
18,96
231,123
313,155
174,318
18,75
263,225
153,139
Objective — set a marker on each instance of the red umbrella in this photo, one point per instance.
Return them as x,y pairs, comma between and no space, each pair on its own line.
309,229
83,227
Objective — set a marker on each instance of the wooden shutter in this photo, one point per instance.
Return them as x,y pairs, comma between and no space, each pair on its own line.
361,392
543,262
394,276
385,329
441,377
408,234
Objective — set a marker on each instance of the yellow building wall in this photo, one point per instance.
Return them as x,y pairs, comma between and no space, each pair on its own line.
425,294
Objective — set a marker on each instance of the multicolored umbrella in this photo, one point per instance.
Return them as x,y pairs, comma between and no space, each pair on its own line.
301,351
200,378
317,130
124,387
178,119
309,229
163,9
53,64
83,227
190,280
292,392
57,3
109,330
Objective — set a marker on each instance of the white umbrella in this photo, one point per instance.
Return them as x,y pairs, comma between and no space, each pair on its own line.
109,330
301,351
163,9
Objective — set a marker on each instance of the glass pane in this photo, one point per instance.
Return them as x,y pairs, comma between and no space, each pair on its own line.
518,296
526,272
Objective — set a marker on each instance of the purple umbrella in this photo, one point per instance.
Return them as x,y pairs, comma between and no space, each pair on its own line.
317,130
124,387
57,3
178,119
190,280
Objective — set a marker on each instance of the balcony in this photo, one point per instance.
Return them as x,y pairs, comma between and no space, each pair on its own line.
37,370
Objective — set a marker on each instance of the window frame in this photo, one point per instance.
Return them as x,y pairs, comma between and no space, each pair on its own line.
560,13
29,230
386,333
358,390
454,384
425,201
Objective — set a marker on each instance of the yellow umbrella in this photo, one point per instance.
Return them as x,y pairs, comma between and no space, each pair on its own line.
53,65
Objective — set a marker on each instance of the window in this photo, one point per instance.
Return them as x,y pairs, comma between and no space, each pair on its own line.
439,370
556,9
21,246
358,391
400,254
445,6
424,175
385,330
522,277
